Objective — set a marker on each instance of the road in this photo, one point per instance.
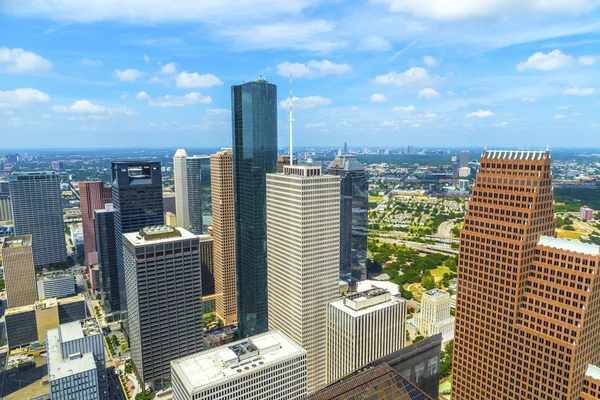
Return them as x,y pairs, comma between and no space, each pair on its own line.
386,195
423,248
445,229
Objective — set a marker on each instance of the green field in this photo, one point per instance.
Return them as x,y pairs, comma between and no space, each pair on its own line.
439,272
375,198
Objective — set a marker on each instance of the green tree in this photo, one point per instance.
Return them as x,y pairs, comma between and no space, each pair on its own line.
418,338
427,281
446,359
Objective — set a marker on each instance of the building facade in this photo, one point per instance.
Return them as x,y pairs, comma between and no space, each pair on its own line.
591,384
362,328
93,196
55,286
586,213
434,317
464,159
19,271
254,124
303,214
6,213
180,178
223,223
354,207
37,211
266,366
106,246
164,300
192,175
207,263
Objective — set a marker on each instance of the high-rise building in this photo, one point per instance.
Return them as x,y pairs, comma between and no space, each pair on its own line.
254,122
191,175
4,188
206,190
354,208
362,328
265,366
303,233
19,271
586,213
281,162
137,203
463,184
180,178
6,213
434,316
464,159
106,246
591,384
207,263
223,217
94,195
164,299
37,211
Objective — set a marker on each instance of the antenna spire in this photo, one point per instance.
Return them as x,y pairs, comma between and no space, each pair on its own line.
291,122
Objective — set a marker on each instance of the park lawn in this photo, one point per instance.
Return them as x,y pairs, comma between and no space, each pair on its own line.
568,234
416,289
375,198
438,273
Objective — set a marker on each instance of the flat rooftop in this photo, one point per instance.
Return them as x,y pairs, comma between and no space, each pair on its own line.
70,300
158,234
17,241
78,329
60,368
370,284
515,154
207,368
593,372
46,303
576,247
436,293
360,304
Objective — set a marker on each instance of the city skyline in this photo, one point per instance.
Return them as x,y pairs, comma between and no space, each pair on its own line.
385,73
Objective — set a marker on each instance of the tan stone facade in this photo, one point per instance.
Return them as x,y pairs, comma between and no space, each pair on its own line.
19,271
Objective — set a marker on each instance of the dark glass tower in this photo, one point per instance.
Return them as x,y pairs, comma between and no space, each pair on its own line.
104,226
254,122
194,193
137,202
206,192
354,208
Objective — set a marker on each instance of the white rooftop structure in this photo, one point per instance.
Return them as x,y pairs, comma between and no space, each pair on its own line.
576,247
369,284
516,154
158,234
593,372
367,302
58,367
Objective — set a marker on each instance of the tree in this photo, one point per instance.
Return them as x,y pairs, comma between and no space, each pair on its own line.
446,359
427,281
418,339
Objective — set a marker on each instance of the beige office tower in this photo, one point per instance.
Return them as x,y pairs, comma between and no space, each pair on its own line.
171,219
303,259
19,271
221,181
181,189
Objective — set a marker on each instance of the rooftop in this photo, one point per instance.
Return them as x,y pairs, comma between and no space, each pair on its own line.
369,284
207,368
180,153
436,293
516,154
347,163
17,241
107,208
46,303
158,234
60,368
372,300
70,300
78,329
302,170
593,372
576,247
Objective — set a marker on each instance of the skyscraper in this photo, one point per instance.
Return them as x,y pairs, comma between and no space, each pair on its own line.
206,191
37,211
303,233
527,303
254,122
94,195
137,203
19,271
106,246
223,217
354,207
180,178
190,191
164,299
464,159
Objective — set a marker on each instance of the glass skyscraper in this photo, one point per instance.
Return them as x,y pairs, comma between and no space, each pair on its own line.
104,225
254,123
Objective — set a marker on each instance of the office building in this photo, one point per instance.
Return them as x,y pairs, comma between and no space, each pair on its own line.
354,207
106,246
4,188
464,159
223,217
265,366
72,309
6,213
182,204
537,294
205,190
94,272
77,239
283,161
58,165
76,364
254,123
464,172
37,211
55,285
189,190
586,213
303,233
164,299
169,202
463,184
362,328
171,219
207,264
137,203
591,384
93,196
19,271
434,317
455,166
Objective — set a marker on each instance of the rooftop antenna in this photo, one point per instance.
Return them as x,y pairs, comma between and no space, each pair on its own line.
291,122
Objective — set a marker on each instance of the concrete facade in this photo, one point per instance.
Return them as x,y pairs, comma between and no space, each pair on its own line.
19,271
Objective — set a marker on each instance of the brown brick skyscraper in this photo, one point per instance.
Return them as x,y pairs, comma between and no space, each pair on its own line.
94,195
527,305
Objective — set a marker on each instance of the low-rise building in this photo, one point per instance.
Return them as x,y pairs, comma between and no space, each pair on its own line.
434,317
55,285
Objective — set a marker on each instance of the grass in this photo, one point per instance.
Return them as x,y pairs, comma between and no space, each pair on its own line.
375,198
438,273
568,234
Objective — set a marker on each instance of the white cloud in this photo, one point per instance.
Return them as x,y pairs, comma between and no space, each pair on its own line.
22,97
218,112
529,100
195,80
89,108
180,101
428,93
415,76
389,123
378,98
502,124
375,43
575,91
546,62
315,125
142,96
451,93
559,116
404,109
431,61
146,59
169,68
474,9
576,114
91,63
588,60
19,60
481,114
305,102
564,107
129,74
353,108
312,69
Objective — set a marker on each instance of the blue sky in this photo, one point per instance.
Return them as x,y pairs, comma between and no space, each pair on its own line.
108,73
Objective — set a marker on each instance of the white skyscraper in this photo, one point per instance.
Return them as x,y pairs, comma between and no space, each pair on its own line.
192,190
182,210
303,233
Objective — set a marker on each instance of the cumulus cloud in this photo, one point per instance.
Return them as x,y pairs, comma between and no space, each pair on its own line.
305,102
19,60
556,59
576,91
375,43
390,122
559,116
312,69
502,124
218,112
22,97
431,61
564,107
128,75
378,98
169,69
89,108
180,101
404,109
415,76
588,60
481,114
196,80
429,93
142,96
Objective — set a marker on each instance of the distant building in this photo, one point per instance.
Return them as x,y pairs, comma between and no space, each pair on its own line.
169,203
463,184
6,213
188,191
464,159
106,246
586,213
77,238
164,290
55,285
464,172
206,261
171,219
591,384
434,316
94,195
19,271
95,278
58,165
4,188
265,366
37,211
